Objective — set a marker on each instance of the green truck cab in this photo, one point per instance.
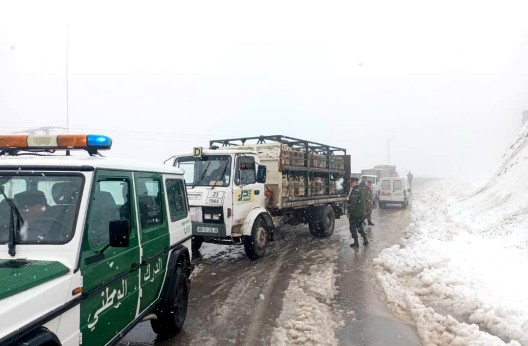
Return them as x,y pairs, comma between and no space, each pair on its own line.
89,246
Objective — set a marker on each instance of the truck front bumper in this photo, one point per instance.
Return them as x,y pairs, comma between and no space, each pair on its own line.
215,230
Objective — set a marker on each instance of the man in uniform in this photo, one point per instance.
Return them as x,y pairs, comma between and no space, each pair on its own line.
356,212
410,179
370,202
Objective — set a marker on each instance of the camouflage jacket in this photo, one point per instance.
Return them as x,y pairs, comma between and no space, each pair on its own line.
357,203
370,197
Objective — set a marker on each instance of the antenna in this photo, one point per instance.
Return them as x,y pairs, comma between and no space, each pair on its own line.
67,78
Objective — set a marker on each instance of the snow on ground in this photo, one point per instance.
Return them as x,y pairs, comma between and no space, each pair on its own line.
307,316
220,253
460,274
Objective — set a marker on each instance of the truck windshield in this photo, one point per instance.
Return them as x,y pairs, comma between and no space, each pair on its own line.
47,203
208,170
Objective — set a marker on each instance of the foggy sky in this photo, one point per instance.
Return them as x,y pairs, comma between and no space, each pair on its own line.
445,81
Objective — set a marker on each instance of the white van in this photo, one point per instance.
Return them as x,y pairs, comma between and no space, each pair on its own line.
393,190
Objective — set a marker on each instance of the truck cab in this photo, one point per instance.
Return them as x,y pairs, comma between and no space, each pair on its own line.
227,198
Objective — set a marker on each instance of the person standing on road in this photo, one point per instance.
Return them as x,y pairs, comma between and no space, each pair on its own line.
356,212
363,182
410,179
370,202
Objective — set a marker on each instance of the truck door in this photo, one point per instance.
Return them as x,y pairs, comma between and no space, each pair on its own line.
180,227
247,193
110,275
154,235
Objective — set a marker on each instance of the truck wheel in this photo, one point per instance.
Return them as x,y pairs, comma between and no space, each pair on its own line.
256,244
170,319
324,223
196,243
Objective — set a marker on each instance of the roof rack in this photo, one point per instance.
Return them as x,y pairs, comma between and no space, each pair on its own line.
295,143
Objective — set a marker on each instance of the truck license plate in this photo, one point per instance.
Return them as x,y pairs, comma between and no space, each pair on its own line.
207,229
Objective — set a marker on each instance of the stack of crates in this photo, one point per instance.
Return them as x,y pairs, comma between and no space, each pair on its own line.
285,155
297,158
285,185
317,161
332,187
299,186
291,186
337,163
317,186
291,157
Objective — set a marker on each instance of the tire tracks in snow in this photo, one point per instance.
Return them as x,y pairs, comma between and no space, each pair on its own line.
255,322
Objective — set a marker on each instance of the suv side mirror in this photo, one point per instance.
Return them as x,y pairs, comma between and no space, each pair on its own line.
119,233
261,174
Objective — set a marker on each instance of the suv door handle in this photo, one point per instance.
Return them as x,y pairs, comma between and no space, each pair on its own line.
257,192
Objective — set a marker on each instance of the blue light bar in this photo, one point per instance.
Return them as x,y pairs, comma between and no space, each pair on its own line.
99,141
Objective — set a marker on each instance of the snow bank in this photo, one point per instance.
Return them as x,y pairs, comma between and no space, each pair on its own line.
306,317
460,273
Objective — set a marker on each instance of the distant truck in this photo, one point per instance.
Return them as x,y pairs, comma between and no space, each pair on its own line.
241,190
378,172
386,171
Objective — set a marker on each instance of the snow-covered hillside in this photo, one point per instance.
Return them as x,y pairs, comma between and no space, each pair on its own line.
460,275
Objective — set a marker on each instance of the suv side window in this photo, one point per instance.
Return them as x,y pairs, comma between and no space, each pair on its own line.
245,173
176,197
149,201
108,203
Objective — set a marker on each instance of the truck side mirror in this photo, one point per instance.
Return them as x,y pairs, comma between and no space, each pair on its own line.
119,233
261,174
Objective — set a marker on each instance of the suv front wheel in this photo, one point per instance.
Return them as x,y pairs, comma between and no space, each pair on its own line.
170,318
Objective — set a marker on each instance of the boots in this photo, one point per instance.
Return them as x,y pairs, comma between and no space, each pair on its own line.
355,243
365,241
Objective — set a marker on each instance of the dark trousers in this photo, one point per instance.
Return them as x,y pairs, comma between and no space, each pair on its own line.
356,226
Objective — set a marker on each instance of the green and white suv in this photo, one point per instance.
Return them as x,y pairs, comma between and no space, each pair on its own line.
89,246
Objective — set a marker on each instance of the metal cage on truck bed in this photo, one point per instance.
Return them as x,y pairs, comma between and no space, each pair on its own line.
300,172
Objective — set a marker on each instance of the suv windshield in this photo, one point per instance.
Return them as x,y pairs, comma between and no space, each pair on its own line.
47,203
214,170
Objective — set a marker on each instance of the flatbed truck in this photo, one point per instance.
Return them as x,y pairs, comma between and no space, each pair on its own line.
241,190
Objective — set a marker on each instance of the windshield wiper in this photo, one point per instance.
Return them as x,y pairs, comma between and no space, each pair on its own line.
11,243
202,176
223,173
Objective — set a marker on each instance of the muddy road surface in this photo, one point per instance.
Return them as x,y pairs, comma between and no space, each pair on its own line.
236,301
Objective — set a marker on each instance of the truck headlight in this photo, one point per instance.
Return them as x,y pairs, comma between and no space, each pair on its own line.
216,217
207,216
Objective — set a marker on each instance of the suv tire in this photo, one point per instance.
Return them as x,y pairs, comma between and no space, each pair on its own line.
170,319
